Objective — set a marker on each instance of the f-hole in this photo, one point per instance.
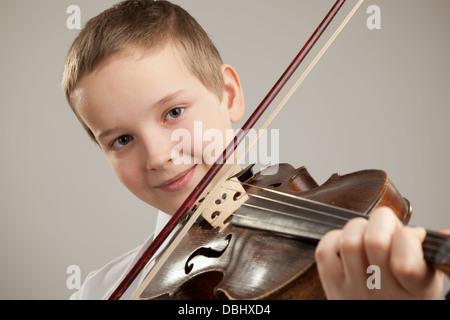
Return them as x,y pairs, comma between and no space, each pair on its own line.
207,252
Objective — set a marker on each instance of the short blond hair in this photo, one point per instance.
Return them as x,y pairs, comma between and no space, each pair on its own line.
141,24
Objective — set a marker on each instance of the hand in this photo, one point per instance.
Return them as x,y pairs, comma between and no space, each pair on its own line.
343,257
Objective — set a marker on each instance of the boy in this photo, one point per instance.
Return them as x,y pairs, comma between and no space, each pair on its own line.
143,69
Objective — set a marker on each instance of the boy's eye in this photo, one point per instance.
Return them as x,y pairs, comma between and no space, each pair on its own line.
122,141
174,113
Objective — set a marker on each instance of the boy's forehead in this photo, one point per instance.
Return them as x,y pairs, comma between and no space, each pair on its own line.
119,71
164,56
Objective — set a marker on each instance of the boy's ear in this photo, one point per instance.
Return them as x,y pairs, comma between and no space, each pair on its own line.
233,93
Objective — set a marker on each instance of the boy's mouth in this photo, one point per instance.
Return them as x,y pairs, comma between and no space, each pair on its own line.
178,182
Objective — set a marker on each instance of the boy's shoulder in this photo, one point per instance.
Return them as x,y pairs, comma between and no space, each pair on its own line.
100,283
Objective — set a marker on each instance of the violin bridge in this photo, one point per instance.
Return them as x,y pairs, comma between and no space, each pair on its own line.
227,199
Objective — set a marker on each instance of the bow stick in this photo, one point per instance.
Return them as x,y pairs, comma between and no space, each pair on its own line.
229,150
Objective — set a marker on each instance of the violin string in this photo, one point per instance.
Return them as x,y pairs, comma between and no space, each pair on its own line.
309,210
437,238
433,242
310,201
306,200
295,216
284,213
316,221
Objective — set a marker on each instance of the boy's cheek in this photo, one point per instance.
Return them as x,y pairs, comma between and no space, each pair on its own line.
127,174
127,181
213,148
198,145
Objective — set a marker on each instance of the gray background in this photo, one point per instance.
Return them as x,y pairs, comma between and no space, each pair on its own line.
378,99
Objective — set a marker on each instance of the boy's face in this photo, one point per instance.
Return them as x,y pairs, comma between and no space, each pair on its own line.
134,103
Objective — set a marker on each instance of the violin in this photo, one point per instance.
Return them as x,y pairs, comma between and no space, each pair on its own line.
253,223
232,253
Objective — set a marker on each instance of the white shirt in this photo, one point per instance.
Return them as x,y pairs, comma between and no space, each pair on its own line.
100,284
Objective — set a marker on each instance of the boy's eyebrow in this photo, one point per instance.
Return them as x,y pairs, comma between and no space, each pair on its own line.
104,134
165,100
168,98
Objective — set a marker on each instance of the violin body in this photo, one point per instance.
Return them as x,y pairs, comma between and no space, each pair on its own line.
247,261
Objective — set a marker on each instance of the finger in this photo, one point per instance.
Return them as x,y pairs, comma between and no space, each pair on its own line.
410,268
329,265
383,223
353,254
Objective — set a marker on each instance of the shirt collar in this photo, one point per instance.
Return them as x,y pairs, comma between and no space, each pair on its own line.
161,220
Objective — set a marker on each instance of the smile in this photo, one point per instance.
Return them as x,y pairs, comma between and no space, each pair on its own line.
178,182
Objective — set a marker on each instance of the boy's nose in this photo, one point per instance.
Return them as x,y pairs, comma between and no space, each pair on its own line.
157,154
157,163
